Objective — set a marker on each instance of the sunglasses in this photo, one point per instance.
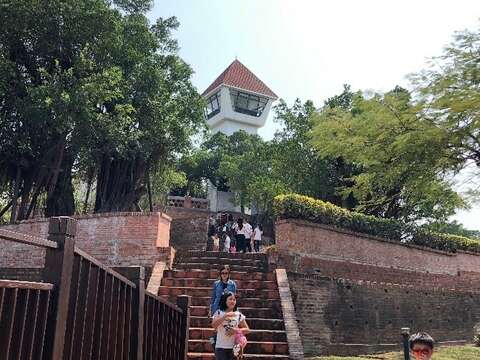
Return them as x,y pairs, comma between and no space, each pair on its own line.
421,351
224,273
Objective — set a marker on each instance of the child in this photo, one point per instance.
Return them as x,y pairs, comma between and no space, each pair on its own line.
226,242
257,237
230,325
421,345
240,343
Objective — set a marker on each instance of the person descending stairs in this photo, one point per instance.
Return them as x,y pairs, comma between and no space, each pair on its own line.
257,296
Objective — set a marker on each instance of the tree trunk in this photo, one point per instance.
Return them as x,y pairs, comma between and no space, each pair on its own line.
5,209
149,189
62,202
120,184
16,187
89,187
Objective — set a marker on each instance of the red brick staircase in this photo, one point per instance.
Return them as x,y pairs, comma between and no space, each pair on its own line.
257,297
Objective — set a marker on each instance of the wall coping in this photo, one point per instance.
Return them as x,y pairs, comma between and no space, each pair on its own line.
371,237
97,215
295,347
377,284
203,211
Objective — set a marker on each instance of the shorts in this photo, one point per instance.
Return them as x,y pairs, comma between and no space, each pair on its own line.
224,354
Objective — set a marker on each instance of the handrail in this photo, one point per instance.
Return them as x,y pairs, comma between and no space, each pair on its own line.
163,301
27,239
97,263
13,284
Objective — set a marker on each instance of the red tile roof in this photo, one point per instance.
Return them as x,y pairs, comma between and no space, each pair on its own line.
237,75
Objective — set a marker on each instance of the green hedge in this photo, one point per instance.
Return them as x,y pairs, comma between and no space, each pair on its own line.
294,206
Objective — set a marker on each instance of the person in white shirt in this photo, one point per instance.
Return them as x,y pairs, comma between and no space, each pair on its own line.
248,236
228,321
257,237
226,243
239,230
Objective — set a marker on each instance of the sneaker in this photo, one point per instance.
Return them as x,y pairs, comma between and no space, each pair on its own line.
236,350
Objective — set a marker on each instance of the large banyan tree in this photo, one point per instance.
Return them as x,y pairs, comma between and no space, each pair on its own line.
88,89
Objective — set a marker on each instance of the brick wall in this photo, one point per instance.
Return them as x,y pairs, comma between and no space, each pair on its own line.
189,228
303,239
353,292
339,269
116,239
23,274
347,317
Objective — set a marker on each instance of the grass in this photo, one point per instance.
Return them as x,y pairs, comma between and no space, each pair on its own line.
442,353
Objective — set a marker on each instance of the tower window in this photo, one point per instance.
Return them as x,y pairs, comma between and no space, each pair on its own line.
213,105
248,103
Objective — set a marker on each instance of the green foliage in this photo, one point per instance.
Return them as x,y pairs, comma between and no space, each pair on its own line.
296,206
90,87
401,175
297,161
252,176
454,228
449,93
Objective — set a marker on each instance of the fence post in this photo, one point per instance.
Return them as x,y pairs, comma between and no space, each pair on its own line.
58,271
184,302
406,345
137,275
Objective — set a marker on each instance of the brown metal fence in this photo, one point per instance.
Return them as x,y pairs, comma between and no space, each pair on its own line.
86,310
23,318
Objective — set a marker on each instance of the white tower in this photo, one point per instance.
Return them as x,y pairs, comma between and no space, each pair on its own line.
237,100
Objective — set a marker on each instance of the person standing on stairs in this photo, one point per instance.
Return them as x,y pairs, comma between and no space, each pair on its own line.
229,324
222,285
257,237
248,236
239,235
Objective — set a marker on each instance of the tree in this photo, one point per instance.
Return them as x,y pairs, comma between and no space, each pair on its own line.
89,88
401,175
297,161
252,176
453,227
449,95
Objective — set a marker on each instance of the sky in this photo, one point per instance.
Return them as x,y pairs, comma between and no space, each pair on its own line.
308,49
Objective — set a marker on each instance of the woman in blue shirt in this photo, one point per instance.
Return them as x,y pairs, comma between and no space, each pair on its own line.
222,285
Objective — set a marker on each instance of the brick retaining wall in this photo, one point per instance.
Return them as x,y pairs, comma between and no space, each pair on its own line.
348,318
353,292
307,240
116,239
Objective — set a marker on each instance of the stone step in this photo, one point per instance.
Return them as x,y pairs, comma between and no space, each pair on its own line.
253,323
213,274
198,282
210,356
216,267
264,313
254,335
226,261
244,302
222,255
253,347
166,291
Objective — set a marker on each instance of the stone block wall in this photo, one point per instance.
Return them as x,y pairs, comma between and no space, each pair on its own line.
116,239
349,317
189,228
